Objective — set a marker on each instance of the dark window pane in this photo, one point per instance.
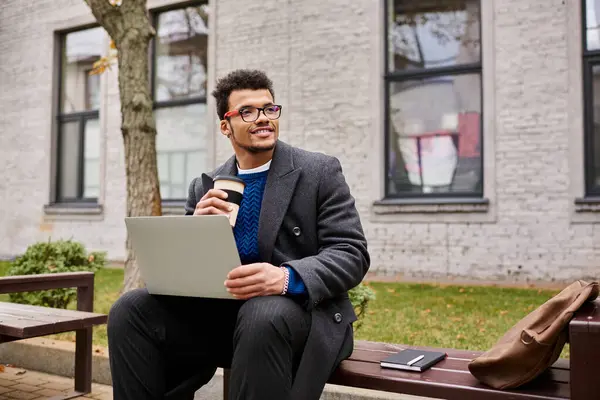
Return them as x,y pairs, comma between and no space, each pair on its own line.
592,16
79,91
434,135
433,33
181,53
92,92
72,173
181,147
595,173
91,159
69,160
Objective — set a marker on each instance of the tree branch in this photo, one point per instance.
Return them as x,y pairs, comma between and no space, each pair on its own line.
107,15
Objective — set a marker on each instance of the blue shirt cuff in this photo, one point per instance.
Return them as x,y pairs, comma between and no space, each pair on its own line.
296,285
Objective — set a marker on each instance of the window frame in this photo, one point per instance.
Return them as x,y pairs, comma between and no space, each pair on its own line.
391,77
591,58
60,117
156,105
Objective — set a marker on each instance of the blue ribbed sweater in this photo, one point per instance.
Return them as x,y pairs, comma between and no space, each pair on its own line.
246,226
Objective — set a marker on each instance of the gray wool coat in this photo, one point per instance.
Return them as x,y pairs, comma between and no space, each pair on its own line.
309,221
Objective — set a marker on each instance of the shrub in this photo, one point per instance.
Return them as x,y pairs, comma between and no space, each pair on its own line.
360,297
53,257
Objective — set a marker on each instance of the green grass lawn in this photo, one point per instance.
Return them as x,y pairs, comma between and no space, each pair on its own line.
462,317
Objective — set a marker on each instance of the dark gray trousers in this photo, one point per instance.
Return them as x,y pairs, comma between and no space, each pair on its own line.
163,347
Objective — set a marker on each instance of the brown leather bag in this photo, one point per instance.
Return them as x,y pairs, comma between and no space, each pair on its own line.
534,343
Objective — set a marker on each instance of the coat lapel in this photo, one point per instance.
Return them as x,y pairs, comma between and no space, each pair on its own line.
279,189
228,168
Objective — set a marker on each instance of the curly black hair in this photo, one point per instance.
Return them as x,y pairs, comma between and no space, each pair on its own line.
239,80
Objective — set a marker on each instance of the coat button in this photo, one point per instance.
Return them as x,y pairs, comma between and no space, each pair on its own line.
337,317
296,231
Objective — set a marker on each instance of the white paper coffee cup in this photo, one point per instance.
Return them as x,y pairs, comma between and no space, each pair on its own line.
234,187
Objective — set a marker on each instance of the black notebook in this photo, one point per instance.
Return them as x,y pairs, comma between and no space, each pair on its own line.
413,360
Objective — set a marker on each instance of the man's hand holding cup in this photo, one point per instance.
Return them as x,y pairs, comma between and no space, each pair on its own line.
224,198
214,202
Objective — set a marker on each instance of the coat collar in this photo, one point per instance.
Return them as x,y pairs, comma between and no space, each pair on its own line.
281,164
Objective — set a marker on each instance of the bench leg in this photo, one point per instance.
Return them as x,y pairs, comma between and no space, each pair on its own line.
225,383
83,347
83,366
83,360
584,356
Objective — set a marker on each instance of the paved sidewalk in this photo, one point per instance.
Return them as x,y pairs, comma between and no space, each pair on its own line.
17,383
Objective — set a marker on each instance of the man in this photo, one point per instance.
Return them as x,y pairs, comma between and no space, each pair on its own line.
302,248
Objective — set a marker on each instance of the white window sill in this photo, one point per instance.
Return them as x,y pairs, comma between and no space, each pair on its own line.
587,204
451,210
586,210
73,211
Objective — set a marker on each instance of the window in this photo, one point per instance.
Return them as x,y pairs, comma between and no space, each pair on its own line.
433,96
78,144
591,89
179,90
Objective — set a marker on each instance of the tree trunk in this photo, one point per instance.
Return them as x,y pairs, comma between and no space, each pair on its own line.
139,136
129,27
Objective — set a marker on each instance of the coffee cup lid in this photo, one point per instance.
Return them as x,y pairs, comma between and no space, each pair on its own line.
229,178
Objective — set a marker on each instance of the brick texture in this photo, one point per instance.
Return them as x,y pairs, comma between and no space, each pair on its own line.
24,384
27,69
319,55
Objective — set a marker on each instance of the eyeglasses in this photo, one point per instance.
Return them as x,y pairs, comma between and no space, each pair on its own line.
251,114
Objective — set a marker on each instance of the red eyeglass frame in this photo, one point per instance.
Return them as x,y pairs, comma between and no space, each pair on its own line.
236,112
231,113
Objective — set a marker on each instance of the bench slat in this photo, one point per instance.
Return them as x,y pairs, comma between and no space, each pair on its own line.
458,364
32,315
59,312
392,348
447,384
449,379
559,371
26,283
25,321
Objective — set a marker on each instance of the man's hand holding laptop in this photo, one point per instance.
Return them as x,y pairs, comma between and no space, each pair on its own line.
258,279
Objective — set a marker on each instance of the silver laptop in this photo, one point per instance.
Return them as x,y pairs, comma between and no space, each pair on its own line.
184,255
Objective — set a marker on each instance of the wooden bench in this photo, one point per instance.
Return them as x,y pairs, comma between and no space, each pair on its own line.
576,378
20,321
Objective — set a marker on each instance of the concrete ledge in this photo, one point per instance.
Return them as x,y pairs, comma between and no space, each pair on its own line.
54,357
58,358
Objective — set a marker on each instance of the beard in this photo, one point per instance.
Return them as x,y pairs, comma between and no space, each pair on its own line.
251,148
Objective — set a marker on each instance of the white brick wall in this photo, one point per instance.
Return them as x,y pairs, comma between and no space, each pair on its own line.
320,56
